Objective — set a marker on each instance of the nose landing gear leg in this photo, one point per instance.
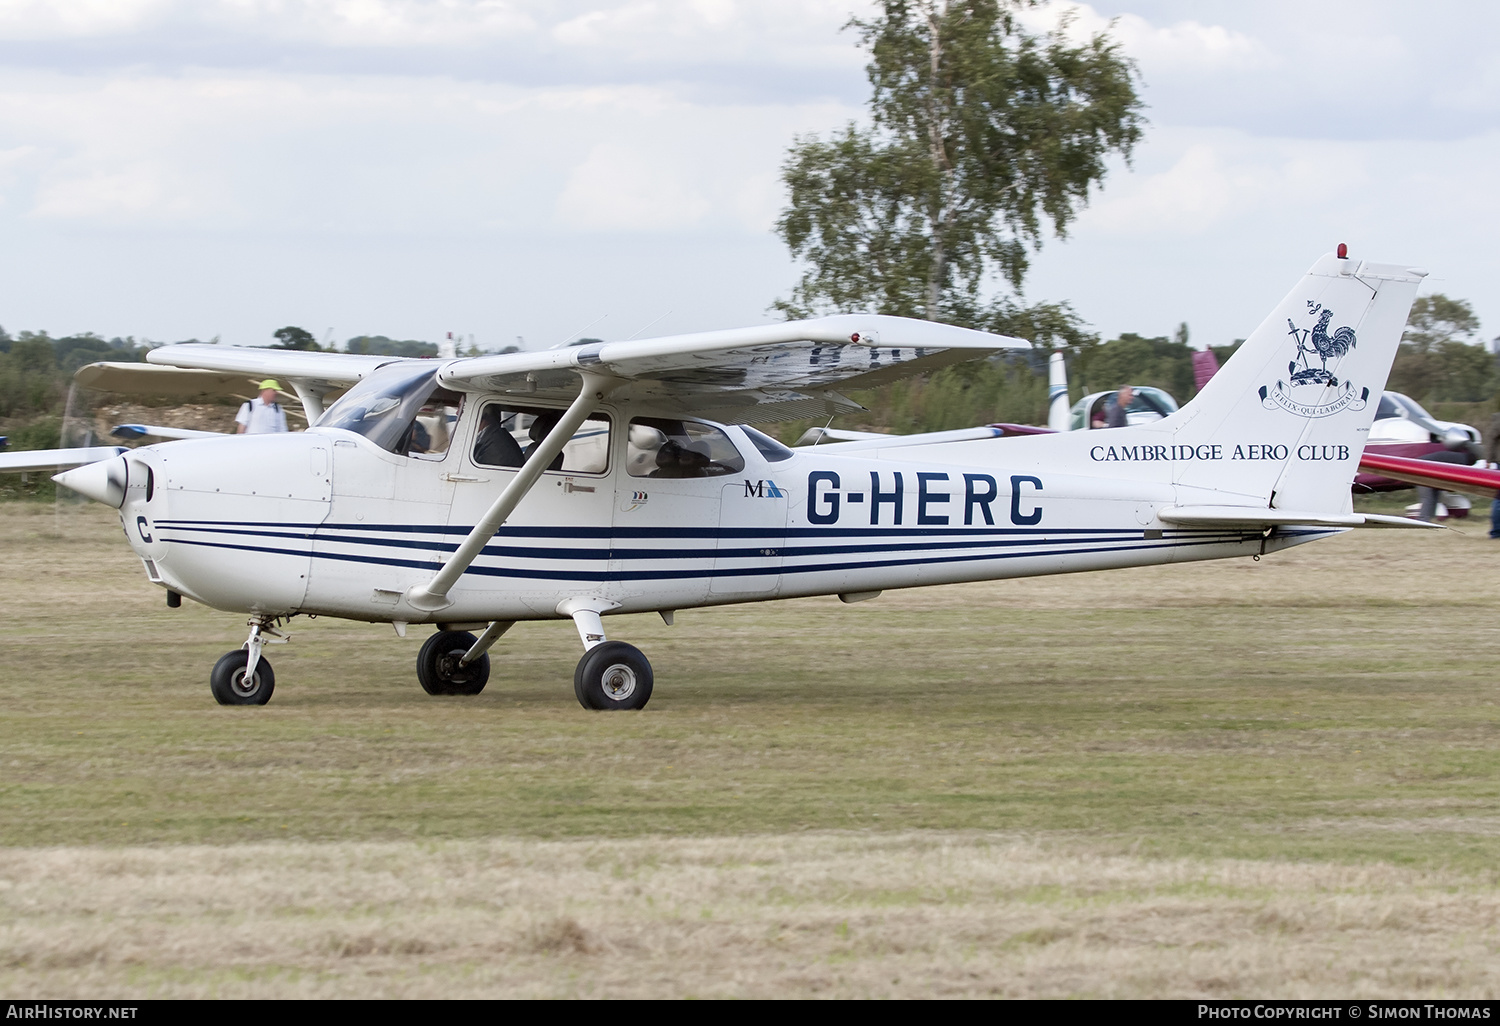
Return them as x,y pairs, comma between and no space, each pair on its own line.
242,677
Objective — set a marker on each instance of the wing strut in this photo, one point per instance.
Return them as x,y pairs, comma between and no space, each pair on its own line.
433,595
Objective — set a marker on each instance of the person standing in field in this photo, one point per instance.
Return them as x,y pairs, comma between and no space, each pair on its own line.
1114,413
262,416
1491,457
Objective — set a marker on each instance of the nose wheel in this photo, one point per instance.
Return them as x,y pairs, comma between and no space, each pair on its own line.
231,686
242,677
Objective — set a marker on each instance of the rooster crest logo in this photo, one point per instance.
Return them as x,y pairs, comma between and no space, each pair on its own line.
1316,391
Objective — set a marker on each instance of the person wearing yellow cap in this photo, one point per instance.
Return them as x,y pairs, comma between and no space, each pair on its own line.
264,415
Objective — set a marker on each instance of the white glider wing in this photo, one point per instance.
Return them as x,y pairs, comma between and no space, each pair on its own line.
57,459
312,376
165,382
341,369
745,375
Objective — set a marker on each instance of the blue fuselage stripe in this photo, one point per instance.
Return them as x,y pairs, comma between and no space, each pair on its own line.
559,573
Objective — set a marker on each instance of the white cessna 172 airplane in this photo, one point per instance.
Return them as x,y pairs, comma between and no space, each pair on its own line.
623,477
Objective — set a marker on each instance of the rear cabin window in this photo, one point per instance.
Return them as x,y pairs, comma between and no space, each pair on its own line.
662,447
508,434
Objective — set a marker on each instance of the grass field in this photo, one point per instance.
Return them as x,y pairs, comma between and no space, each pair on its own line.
1222,779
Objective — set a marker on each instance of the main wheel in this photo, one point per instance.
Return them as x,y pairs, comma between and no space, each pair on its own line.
613,675
229,685
438,669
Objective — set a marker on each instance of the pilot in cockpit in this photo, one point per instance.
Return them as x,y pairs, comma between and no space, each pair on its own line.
676,459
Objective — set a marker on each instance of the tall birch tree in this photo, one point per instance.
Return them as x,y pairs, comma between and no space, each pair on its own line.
982,137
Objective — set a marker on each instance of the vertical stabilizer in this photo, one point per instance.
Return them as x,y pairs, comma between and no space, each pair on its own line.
1057,392
1287,417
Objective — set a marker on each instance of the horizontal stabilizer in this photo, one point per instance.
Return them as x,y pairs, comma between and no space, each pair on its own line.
54,459
1255,516
1452,476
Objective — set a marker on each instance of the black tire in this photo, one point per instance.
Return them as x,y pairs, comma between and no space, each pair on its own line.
227,682
611,676
438,669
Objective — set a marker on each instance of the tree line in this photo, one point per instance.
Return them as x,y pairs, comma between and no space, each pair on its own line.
1440,364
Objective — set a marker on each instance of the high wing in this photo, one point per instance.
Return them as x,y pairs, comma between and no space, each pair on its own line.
1474,480
745,375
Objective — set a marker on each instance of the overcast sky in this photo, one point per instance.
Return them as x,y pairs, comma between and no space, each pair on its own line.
504,168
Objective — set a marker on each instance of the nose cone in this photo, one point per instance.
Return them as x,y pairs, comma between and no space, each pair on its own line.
103,481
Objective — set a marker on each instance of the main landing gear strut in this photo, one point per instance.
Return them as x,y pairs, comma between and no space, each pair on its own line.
611,674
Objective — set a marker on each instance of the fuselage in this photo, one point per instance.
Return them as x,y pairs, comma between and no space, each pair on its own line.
329,522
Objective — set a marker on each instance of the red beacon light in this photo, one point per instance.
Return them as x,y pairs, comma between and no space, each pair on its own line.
1343,251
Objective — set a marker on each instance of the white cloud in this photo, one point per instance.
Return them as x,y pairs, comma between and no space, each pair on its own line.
46,19
615,189
381,23
1186,43
363,154
334,22
438,146
1216,178
127,195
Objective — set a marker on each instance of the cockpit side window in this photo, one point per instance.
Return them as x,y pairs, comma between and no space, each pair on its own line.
663,447
431,433
509,434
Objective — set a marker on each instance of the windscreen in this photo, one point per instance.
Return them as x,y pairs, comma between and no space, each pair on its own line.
772,450
1151,400
1412,406
383,406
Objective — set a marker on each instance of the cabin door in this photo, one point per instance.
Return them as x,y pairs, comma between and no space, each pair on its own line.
752,539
